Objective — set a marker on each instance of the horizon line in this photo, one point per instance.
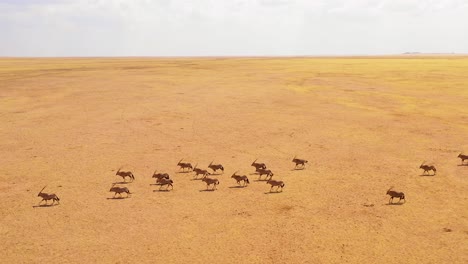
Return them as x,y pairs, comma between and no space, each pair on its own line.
407,54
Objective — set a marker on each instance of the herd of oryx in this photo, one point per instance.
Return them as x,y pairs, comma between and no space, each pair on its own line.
163,179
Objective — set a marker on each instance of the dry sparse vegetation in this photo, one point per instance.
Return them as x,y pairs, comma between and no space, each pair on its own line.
363,123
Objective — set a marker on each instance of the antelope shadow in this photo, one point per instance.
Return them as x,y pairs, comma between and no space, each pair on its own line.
237,187
270,192
427,175
124,182
45,205
207,190
296,169
161,190
117,198
399,203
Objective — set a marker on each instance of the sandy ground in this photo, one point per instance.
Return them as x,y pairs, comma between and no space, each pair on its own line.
364,124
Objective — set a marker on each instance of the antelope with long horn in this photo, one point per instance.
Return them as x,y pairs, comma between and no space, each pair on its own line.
210,181
427,168
119,190
164,181
276,184
396,194
199,171
463,157
125,174
258,165
48,196
216,167
268,173
298,162
158,176
184,165
240,178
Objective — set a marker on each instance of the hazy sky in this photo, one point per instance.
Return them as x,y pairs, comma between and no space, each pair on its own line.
231,27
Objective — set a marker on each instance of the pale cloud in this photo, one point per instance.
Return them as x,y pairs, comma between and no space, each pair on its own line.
242,27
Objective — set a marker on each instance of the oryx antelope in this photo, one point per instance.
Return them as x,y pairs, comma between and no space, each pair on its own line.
394,194
216,167
48,196
164,181
119,190
199,171
240,178
158,176
463,157
210,181
125,174
298,162
258,165
427,168
264,171
276,184
184,165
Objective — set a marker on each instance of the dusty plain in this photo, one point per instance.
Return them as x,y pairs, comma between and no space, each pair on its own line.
364,123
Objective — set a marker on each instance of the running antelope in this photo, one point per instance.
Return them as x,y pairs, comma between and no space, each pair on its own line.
240,178
427,168
395,194
463,157
216,167
199,171
164,181
184,165
264,171
210,181
125,174
298,162
119,190
160,176
258,165
48,196
276,184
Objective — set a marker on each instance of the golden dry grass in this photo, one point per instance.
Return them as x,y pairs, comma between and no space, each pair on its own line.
364,124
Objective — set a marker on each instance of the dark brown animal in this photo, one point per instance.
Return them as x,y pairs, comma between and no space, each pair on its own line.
394,194
164,181
48,196
276,184
210,181
463,157
158,176
199,171
268,173
216,167
125,174
298,162
119,190
184,165
258,165
240,178
427,168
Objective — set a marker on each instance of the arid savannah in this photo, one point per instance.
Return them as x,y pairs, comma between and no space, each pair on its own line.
365,124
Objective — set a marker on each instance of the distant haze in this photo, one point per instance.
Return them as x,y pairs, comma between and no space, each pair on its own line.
231,27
